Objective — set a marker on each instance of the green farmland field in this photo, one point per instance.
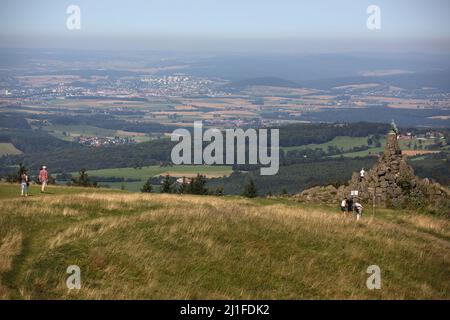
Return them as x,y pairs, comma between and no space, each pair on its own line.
8,149
144,173
345,143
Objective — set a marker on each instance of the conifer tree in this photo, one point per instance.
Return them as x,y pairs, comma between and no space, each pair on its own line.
166,186
250,190
147,187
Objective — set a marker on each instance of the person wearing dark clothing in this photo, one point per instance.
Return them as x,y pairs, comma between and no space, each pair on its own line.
350,205
24,183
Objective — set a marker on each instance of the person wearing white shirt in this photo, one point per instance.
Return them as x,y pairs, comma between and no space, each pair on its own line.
358,210
344,205
361,174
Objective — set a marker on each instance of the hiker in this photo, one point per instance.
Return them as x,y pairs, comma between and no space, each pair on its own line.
344,205
24,183
350,205
43,178
361,174
358,208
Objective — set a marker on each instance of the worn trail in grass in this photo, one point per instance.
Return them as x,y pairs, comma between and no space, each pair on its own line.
169,246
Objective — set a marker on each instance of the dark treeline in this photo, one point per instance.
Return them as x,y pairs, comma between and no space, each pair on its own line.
66,177
13,121
299,169
436,167
195,185
35,141
295,178
306,133
109,122
302,174
74,158
381,114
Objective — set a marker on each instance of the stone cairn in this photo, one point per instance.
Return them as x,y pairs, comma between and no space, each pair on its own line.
390,183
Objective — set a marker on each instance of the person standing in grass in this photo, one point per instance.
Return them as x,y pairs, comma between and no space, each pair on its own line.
358,209
350,205
24,183
344,205
43,178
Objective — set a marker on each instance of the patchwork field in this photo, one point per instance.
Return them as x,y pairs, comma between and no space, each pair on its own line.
371,151
78,130
138,246
150,171
144,173
69,132
8,149
410,147
345,143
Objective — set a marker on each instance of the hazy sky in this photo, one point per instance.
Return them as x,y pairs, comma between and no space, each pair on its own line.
232,25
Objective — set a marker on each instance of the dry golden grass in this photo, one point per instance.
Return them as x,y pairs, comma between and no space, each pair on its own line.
430,224
158,246
10,246
411,153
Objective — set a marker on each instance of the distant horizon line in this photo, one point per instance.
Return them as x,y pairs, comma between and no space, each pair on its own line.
237,52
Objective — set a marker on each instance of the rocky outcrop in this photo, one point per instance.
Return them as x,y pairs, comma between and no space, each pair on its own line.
326,195
390,183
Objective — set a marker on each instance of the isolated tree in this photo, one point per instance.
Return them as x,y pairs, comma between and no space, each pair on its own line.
147,187
83,180
197,185
250,190
21,169
447,137
219,191
13,178
376,140
166,186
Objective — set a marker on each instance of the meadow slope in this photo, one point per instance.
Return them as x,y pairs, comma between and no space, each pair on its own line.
154,246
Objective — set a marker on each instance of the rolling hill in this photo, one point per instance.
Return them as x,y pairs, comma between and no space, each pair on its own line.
160,246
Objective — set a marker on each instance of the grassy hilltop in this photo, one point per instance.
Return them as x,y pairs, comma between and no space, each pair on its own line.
154,246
